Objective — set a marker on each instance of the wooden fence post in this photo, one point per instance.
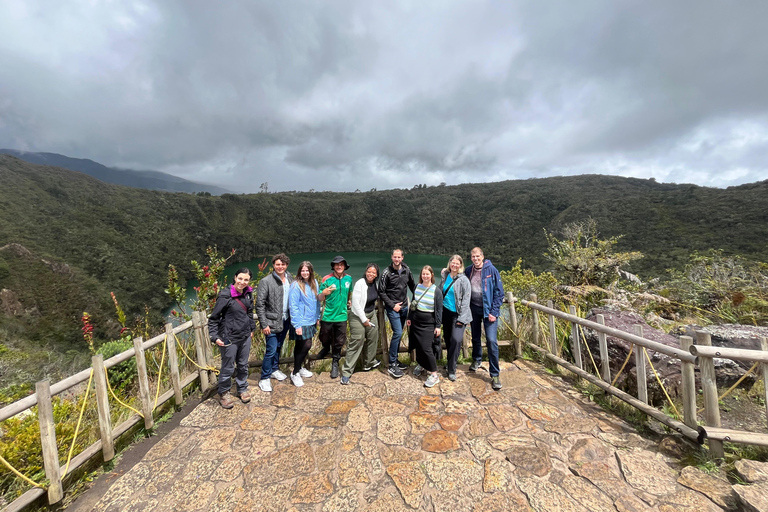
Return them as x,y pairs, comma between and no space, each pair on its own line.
688,385
382,318
711,400
144,392
173,363
764,346
208,347
102,403
48,441
575,341
642,384
197,324
603,342
535,332
513,319
465,341
552,331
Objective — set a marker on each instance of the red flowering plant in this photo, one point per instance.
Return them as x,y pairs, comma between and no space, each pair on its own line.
87,330
210,279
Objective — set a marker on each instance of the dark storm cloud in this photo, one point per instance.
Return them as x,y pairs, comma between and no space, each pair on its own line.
344,95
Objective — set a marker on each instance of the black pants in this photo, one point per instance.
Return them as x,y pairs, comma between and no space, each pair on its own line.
333,335
454,334
423,334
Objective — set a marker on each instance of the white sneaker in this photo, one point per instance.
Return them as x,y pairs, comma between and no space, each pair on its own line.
305,373
265,385
296,379
432,380
278,375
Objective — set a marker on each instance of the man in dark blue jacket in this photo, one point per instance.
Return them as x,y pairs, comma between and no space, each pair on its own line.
485,304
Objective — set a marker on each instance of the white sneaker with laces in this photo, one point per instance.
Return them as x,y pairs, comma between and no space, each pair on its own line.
305,373
432,380
265,385
278,375
296,379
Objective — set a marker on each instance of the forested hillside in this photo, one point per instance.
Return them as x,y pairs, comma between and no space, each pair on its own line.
124,238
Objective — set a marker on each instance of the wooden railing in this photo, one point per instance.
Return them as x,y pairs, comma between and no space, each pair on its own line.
701,354
44,392
689,355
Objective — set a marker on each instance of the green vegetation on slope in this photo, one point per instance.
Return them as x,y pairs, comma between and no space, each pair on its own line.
125,238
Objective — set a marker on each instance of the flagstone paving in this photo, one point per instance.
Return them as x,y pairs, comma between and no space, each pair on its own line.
380,444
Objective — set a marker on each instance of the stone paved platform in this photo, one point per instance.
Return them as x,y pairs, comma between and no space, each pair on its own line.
380,444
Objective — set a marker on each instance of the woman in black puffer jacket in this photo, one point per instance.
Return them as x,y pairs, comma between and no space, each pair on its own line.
231,327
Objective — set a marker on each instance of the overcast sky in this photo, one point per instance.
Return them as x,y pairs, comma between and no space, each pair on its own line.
345,95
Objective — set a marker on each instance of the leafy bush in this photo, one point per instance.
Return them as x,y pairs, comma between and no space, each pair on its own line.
123,376
20,445
725,288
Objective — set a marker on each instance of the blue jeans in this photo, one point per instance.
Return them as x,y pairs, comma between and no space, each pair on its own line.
236,353
274,343
478,321
396,321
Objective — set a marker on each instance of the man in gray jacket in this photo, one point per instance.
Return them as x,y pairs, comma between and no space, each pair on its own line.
273,314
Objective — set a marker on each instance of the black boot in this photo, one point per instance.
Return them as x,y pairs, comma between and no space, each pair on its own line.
335,368
323,352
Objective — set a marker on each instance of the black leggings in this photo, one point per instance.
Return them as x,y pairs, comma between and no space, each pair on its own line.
454,335
300,351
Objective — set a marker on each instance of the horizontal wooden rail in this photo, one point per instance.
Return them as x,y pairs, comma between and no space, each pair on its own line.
736,436
737,354
637,340
73,380
697,435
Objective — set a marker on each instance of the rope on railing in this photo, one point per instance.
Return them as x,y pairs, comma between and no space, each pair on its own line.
160,372
589,350
661,385
181,346
730,390
18,474
79,422
109,385
631,348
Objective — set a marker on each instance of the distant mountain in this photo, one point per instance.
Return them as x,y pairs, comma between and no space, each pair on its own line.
151,180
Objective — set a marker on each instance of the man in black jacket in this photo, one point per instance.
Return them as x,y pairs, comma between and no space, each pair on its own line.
394,284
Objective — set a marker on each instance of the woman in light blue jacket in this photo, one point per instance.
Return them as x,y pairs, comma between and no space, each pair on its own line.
304,304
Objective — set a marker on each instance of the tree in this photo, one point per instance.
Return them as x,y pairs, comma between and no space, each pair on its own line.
583,259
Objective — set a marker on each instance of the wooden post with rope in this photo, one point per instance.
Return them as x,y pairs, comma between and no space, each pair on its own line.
642,384
382,319
102,403
602,340
48,441
144,391
575,342
532,297
197,324
173,363
552,331
688,385
513,319
709,387
764,346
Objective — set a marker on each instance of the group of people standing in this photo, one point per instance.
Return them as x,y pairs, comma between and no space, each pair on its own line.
298,307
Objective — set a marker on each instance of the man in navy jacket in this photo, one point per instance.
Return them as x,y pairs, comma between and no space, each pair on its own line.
485,304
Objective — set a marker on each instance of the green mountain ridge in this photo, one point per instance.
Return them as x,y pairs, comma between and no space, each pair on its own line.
124,238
